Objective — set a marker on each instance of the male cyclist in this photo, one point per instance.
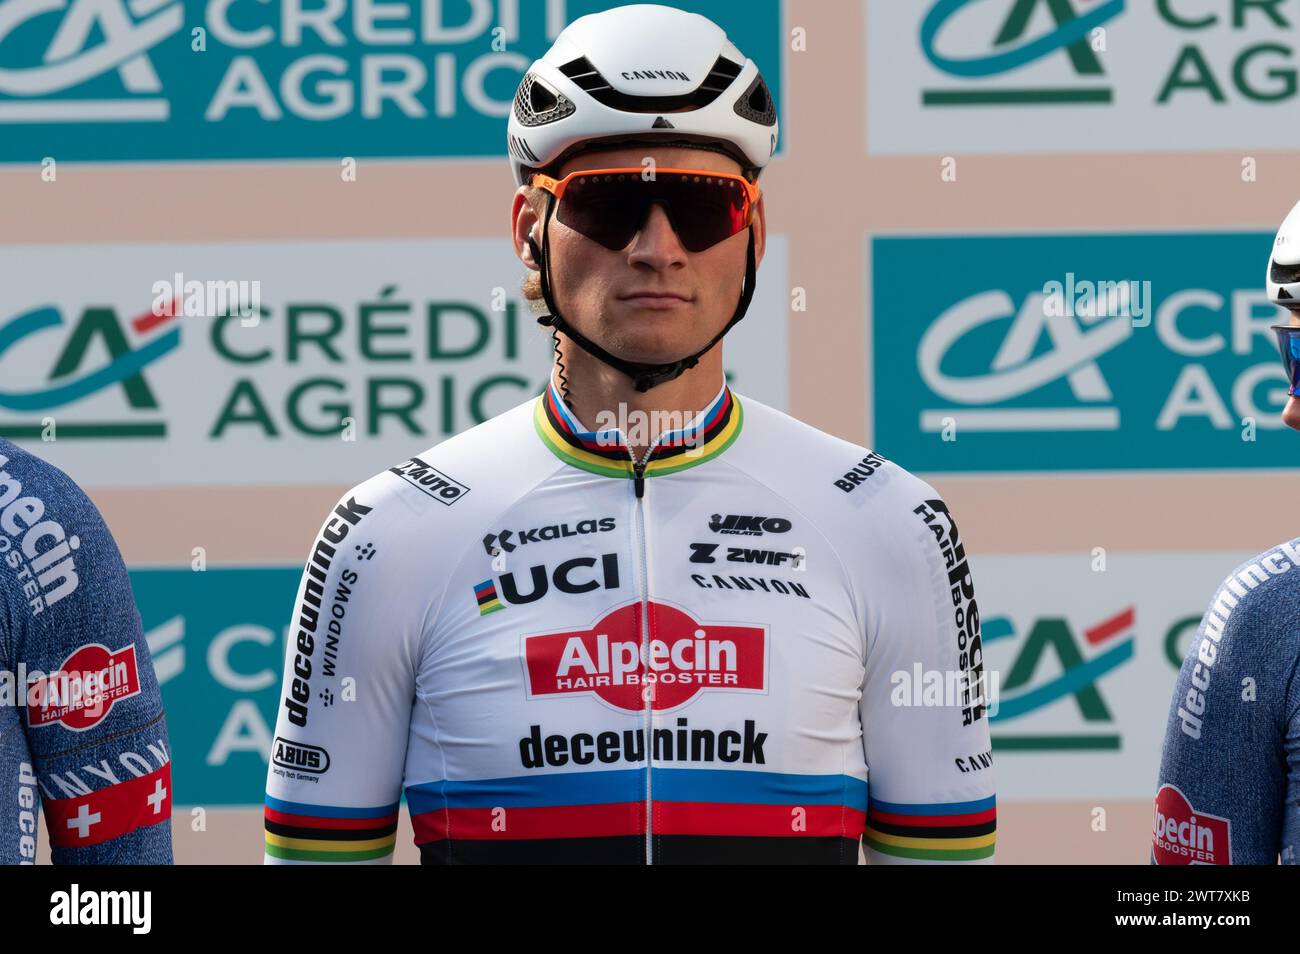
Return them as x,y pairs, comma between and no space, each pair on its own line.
81,720
639,618
1229,785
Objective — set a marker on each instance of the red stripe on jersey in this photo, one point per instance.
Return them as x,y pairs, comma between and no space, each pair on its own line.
317,821
110,812
552,821
772,821
934,821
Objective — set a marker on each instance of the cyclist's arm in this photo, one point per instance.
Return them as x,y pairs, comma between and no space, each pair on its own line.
91,742
930,774
1227,790
335,776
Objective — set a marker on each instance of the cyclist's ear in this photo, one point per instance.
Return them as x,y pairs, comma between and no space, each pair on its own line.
760,230
525,221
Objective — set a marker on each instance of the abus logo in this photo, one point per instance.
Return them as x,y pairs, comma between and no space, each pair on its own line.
747,525
684,658
83,691
300,757
1184,836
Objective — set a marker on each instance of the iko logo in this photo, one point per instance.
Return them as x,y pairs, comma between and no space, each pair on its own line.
684,659
436,484
748,525
494,543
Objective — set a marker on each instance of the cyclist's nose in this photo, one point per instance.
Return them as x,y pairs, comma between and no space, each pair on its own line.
656,243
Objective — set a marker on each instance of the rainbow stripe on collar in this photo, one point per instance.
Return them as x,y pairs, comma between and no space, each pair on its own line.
605,452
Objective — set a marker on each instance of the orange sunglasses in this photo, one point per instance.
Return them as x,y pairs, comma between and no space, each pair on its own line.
609,206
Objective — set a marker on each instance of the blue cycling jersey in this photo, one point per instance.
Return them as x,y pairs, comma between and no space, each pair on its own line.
1229,785
82,732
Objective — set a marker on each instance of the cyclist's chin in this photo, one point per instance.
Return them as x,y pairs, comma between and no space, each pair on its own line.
1291,413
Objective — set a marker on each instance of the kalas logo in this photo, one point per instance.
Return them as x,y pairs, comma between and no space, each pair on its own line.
1183,836
84,689
685,658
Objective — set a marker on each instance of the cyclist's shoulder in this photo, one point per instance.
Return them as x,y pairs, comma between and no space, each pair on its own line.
1261,593
823,472
26,474
453,483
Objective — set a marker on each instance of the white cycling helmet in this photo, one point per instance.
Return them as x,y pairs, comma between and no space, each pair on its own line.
643,74
639,73
1283,278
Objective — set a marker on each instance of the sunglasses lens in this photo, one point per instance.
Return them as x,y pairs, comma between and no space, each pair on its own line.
1288,345
611,208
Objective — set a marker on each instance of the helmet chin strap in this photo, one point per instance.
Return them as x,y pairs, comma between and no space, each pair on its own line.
644,376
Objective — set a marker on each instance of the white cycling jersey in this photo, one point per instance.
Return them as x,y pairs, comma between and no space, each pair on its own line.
760,644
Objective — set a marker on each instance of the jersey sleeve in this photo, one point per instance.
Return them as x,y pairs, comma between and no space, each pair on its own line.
925,727
1229,781
90,745
336,769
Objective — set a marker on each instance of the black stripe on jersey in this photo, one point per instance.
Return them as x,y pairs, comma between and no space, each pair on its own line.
329,834
630,849
932,831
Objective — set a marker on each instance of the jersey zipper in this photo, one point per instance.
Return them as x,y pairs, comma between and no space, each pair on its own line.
638,471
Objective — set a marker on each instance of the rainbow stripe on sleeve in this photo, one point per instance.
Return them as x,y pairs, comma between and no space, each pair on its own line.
296,831
951,831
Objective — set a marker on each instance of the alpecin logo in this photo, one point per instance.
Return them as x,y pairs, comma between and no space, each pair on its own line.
1183,836
84,689
686,657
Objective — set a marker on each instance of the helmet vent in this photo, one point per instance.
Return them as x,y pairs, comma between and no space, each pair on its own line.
756,104
537,104
1281,274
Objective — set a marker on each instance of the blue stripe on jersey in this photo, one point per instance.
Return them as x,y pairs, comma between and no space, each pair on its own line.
328,811
939,808
628,785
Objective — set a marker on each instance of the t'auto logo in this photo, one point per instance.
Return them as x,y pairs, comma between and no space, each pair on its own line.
683,658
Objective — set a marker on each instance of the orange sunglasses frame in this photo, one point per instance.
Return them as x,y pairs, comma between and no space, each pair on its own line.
557,187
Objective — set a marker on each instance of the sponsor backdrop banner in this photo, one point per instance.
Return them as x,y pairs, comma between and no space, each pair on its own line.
957,77
159,80
1176,370
395,345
